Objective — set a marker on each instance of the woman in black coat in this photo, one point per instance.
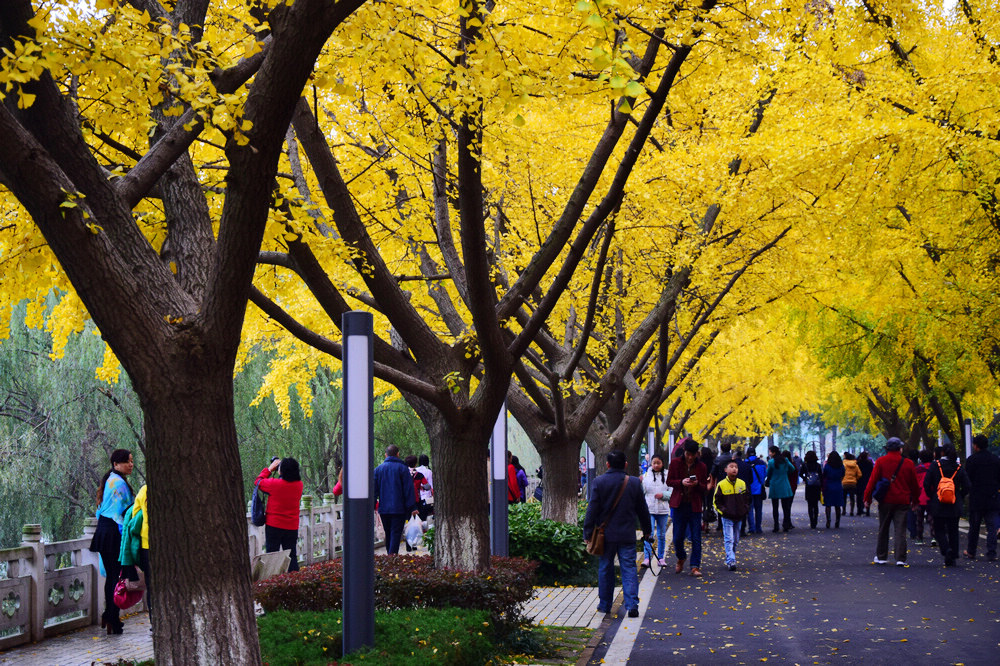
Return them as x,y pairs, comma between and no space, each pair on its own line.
946,515
866,466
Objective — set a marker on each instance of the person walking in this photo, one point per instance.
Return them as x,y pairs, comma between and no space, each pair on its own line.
852,474
745,474
114,497
687,477
922,514
780,471
902,493
393,492
732,501
758,492
833,488
718,471
281,524
618,503
522,479
812,475
946,505
426,507
983,469
135,543
657,494
513,488
865,465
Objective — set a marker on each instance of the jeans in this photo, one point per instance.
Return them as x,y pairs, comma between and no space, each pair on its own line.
992,518
625,550
756,515
730,538
660,527
276,539
685,520
890,515
393,524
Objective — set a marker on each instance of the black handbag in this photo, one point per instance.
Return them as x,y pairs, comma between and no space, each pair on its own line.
258,505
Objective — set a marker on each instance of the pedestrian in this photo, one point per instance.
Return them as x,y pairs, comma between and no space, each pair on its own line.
394,497
945,505
744,474
618,503
687,477
719,473
866,466
708,513
284,494
780,471
758,492
419,484
852,474
902,494
833,488
812,474
983,469
793,475
114,497
732,501
522,479
657,493
513,489
922,514
426,507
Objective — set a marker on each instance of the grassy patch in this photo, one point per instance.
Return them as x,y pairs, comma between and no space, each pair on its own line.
404,637
554,645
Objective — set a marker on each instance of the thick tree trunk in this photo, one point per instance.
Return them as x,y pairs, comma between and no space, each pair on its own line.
202,603
461,489
560,480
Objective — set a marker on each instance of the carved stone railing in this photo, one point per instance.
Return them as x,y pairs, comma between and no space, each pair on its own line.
51,588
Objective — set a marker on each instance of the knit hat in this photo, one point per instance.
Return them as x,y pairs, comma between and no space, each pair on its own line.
894,444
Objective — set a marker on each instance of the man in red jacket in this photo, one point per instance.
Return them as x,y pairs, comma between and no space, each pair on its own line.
904,493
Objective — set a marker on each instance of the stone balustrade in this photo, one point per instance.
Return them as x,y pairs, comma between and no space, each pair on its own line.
51,588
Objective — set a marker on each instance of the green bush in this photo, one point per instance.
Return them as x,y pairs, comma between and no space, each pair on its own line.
402,638
407,581
557,547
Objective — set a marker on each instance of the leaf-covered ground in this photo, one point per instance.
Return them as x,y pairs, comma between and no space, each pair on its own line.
815,597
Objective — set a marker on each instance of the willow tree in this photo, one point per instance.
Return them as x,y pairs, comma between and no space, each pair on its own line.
102,111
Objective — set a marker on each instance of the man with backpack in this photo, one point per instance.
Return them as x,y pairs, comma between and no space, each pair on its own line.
896,496
758,474
947,484
983,469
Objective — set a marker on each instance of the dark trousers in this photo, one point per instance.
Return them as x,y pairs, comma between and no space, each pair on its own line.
850,495
813,506
891,516
946,530
756,513
861,501
786,509
393,524
992,518
113,570
276,539
144,565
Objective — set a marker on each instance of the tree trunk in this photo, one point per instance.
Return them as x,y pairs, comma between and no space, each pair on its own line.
461,508
198,550
560,480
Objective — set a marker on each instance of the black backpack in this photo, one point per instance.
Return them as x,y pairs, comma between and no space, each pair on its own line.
257,505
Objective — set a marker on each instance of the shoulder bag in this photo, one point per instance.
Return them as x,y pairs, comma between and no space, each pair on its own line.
595,544
882,487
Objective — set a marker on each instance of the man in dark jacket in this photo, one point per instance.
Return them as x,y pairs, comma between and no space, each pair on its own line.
687,476
758,492
719,470
395,497
619,520
946,514
983,469
745,474
904,494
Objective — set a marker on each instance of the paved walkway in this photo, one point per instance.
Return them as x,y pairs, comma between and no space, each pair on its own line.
88,646
813,597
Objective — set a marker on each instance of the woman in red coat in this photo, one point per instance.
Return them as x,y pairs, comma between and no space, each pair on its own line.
281,525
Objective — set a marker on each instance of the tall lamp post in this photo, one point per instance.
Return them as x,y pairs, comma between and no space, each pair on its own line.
498,485
359,507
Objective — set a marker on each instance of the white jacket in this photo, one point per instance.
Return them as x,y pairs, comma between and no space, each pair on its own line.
653,486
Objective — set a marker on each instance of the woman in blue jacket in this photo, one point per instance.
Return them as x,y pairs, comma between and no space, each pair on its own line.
779,471
833,486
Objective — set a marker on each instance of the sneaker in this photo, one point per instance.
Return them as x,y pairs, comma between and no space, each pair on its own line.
933,542
732,567
901,563
879,561
634,612
968,556
663,563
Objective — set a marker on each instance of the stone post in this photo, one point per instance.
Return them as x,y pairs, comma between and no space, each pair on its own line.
31,537
93,560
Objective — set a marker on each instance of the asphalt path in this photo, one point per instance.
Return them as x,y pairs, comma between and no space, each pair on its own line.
814,597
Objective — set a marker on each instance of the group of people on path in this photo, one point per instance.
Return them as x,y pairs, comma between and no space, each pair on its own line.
403,489
734,487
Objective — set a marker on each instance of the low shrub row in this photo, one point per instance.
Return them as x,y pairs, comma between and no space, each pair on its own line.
406,581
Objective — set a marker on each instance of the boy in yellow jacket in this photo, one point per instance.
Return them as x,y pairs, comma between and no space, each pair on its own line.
732,501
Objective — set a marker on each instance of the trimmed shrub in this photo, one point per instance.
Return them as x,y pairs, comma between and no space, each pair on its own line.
557,547
406,581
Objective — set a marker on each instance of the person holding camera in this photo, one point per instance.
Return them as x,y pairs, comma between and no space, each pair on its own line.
281,526
687,476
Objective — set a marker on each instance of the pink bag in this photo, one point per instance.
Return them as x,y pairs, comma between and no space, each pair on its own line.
129,592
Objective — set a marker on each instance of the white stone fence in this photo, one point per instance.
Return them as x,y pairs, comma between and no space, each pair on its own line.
51,588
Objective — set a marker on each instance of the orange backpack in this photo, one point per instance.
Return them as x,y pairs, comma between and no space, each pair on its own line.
946,486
